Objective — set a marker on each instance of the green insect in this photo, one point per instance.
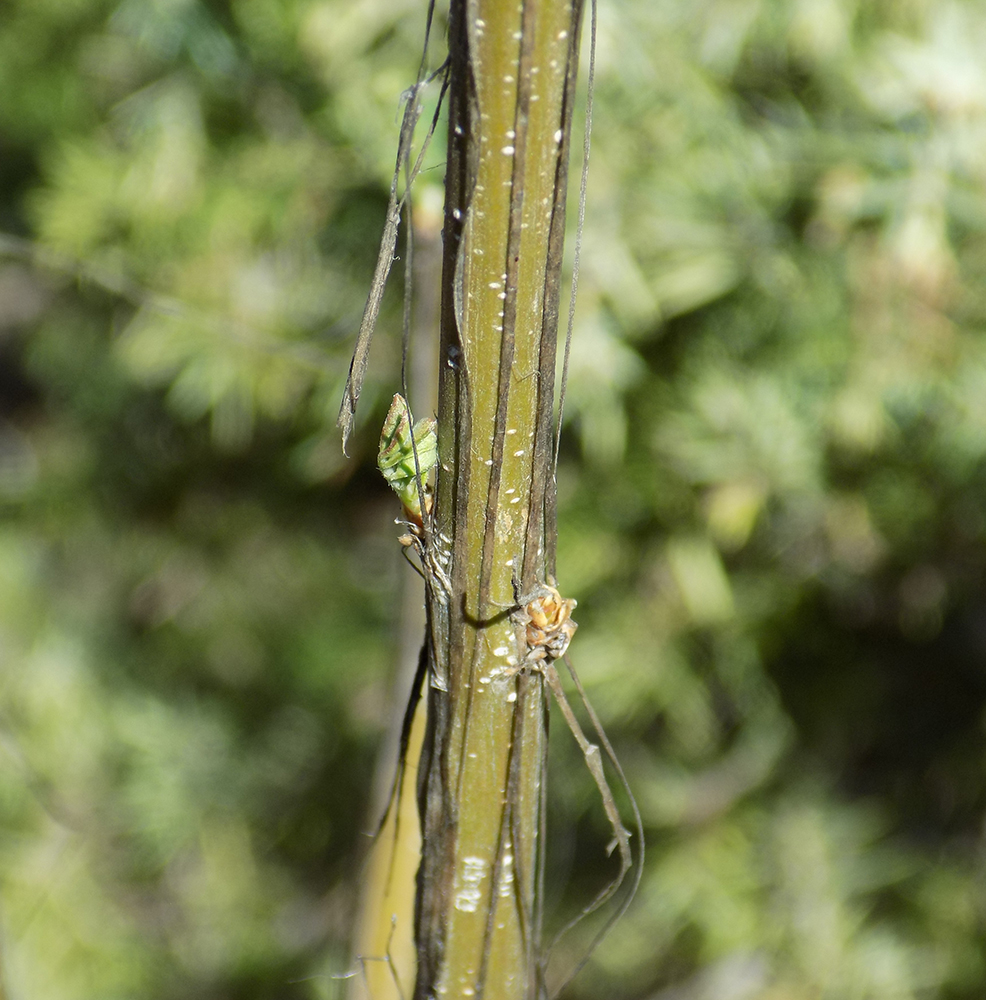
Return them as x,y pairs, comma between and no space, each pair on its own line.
396,457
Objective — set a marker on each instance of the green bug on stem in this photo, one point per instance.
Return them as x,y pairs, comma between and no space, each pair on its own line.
396,457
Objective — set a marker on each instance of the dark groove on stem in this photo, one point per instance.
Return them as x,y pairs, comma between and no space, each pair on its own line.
509,315
544,480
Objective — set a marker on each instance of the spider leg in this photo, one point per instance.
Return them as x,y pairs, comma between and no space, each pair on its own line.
621,836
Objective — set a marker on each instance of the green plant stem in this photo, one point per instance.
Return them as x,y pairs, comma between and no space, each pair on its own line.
513,73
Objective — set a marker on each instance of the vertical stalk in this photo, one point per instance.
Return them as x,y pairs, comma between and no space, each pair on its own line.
513,69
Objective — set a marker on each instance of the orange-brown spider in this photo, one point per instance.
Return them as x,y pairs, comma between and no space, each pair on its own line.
544,626
549,624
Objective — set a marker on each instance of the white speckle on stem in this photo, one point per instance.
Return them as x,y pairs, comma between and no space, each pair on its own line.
468,893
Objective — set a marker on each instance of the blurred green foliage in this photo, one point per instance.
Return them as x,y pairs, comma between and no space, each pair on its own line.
772,493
